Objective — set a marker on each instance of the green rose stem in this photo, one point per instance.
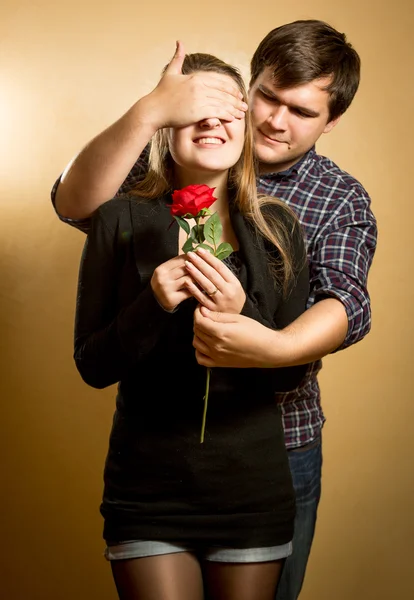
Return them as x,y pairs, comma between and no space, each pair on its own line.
206,235
197,220
203,424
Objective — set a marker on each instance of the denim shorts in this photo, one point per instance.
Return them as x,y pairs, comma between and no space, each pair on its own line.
143,548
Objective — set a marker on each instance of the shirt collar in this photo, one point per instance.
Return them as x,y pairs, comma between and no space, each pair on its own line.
294,169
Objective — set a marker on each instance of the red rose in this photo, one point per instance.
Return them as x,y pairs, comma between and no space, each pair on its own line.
187,204
191,199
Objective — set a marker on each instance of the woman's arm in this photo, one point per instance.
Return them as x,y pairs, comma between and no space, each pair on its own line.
109,341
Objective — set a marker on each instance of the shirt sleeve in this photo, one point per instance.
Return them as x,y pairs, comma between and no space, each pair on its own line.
137,173
340,260
109,341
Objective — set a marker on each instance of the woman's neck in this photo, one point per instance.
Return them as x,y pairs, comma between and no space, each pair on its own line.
219,181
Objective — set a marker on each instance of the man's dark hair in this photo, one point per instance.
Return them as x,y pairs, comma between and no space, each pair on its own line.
303,51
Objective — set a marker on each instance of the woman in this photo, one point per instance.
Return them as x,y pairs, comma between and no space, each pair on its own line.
181,516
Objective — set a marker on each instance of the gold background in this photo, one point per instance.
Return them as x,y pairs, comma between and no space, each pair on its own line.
67,70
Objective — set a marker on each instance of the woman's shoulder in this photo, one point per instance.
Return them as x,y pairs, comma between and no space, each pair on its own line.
110,212
123,209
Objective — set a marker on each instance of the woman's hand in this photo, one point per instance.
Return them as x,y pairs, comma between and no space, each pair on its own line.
168,283
212,283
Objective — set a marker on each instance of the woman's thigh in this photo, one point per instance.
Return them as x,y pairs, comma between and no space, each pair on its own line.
163,577
251,581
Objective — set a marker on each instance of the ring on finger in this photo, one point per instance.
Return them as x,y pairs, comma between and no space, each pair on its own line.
211,293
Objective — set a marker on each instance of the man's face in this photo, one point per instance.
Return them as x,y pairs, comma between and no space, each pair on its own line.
287,122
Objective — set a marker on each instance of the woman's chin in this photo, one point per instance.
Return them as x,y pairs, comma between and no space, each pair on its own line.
214,165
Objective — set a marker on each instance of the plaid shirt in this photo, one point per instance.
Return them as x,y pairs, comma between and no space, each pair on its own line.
340,232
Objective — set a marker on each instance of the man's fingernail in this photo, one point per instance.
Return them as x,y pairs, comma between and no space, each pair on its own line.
201,250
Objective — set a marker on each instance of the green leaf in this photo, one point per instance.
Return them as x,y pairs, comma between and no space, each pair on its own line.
205,211
183,224
188,246
206,247
213,229
196,232
223,251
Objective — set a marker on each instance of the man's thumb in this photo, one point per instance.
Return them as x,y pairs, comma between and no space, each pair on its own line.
218,317
176,63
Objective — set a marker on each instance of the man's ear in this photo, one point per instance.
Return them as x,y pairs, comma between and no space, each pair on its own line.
329,126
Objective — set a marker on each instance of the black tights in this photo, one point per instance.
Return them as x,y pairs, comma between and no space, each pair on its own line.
181,576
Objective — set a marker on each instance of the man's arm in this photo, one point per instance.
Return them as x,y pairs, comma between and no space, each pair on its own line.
340,260
339,314
317,332
224,340
98,171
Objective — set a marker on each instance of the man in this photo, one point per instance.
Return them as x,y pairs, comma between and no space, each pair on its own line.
304,76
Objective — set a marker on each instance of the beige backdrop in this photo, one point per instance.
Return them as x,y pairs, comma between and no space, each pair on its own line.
68,69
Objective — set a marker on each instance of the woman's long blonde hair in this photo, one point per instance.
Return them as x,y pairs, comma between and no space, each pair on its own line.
159,180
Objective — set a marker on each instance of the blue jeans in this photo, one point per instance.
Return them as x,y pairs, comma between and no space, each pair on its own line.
306,468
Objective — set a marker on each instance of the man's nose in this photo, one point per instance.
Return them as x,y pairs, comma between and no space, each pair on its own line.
278,118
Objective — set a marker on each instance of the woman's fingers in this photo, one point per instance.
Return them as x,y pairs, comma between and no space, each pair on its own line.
200,295
168,283
208,282
223,290
203,259
205,267
182,295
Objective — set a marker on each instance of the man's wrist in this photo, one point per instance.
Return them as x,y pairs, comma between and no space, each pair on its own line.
279,346
317,332
147,115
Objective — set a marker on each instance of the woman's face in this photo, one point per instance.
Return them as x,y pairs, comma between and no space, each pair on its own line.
210,145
